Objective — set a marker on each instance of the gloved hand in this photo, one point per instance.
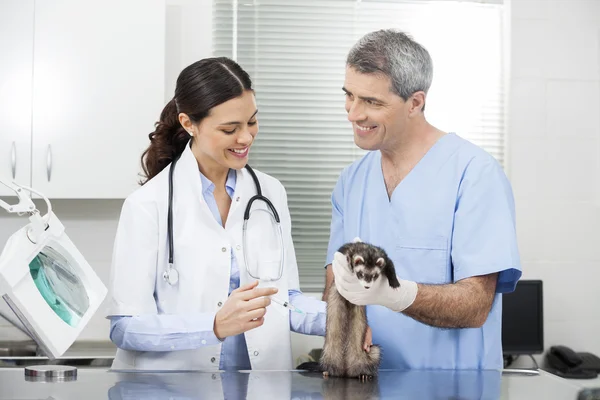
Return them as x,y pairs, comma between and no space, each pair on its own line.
380,292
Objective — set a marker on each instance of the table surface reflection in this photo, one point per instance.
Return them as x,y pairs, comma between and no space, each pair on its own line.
414,384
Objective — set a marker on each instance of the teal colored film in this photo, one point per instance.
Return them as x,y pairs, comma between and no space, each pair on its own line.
59,285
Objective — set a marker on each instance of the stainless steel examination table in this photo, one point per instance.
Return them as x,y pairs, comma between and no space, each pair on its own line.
99,383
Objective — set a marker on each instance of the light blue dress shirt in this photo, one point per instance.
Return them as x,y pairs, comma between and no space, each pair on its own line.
452,217
182,332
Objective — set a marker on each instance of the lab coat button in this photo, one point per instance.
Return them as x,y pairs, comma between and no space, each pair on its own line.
256,353
237,198
224,249
212,360
238,247
203,341
219,304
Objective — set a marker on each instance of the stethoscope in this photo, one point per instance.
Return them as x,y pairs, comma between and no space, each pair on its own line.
171,275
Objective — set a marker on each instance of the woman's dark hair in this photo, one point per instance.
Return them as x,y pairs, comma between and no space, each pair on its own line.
200,87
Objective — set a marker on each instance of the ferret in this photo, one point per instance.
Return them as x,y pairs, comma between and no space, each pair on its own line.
346,324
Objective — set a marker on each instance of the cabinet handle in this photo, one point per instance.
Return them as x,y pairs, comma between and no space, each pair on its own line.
13,160
49,162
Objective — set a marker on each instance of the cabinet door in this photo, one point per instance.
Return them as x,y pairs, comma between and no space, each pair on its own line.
98,90
16,54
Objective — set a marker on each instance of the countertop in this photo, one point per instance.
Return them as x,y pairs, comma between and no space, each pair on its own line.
94,384
89,349
78,350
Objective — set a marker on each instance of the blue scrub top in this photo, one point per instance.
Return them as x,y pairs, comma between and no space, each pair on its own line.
450,218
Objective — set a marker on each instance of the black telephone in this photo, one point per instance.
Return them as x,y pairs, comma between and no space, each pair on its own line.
566,363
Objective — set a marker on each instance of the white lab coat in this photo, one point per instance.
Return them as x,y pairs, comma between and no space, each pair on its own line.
202,255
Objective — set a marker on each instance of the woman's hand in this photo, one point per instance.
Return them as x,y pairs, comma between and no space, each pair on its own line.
368,340
244,310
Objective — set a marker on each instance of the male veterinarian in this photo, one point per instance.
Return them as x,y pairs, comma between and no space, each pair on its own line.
441,207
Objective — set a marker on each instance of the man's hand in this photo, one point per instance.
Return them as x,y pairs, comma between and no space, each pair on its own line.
328,282
380,292
368,340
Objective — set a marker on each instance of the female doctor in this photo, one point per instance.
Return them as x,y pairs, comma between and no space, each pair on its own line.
208,311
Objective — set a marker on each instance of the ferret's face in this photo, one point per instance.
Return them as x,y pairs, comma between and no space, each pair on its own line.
367,270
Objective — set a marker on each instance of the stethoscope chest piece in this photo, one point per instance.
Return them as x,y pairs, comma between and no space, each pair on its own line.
171,275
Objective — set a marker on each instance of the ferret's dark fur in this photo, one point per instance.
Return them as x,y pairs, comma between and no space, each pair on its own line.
346,325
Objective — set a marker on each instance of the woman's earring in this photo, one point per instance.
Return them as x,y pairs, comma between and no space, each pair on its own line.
191,134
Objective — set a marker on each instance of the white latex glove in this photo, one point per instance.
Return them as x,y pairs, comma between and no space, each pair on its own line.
379,293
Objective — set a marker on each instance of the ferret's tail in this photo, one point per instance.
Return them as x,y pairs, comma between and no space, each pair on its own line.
375,354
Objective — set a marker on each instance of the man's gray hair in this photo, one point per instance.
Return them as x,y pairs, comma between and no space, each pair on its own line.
394,54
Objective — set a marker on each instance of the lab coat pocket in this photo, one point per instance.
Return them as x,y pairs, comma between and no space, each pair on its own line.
422,259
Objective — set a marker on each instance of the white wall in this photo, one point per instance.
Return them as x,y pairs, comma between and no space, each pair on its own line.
554,128
189,35
554,157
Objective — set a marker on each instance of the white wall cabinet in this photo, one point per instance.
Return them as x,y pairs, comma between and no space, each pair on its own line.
96,92
16,70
